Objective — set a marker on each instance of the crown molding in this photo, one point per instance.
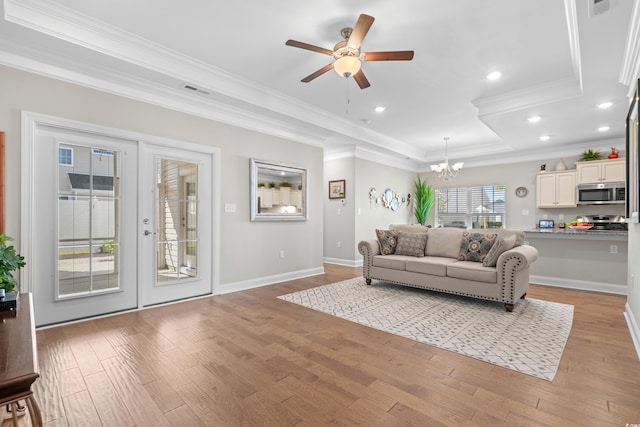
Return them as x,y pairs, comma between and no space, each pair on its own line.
574,39
630,67
544,93
67,24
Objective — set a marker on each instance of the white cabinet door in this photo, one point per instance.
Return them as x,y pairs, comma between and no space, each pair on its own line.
556,189
597,171
566,190
546,190
614,171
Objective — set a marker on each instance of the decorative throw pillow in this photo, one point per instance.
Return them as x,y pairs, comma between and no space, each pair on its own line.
411,244
475,246
387,239
501,245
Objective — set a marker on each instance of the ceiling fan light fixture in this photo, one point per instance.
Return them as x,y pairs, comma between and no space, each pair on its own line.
347,66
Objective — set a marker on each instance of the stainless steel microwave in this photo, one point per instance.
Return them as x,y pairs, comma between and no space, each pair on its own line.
609,193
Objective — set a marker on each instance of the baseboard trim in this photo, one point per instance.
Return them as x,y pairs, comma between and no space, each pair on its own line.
634,328
268,280
610,288
345,262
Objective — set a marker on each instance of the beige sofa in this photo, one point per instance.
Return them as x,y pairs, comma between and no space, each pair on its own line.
442,268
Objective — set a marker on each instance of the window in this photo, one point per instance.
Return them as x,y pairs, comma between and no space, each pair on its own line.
471,207
65,156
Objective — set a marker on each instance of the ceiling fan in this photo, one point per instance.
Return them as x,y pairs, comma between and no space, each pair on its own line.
347,53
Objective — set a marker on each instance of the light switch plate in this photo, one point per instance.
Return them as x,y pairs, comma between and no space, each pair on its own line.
230,207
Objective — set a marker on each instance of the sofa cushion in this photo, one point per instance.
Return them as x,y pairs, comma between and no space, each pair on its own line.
409,228
501,245
475,246
470,270
504,232
394,262
433,265
444,242
411,244
387,240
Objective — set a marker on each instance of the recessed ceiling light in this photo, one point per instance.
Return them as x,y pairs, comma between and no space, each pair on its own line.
545,138
494,75
604,128
534,119
380,109
605,105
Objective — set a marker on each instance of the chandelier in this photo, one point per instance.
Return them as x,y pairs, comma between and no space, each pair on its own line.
444,170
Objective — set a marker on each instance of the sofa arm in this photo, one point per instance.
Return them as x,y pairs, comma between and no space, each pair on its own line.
513,273
517,258
368,249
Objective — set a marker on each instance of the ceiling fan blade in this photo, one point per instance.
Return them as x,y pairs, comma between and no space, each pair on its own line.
361,80
398,55
308,46
318,73
360,30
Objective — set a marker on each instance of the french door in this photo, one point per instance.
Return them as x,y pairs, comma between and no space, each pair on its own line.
84,225
114,223
176,250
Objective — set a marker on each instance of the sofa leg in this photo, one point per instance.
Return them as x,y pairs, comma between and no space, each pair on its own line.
523,295
368,281
508,307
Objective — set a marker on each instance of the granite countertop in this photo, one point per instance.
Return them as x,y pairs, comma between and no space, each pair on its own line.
567,233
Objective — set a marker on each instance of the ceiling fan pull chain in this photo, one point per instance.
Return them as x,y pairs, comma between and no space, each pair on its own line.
346,79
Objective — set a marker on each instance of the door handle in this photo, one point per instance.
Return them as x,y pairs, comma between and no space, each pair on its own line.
147,232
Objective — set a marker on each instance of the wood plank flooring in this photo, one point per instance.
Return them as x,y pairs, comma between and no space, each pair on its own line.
249,359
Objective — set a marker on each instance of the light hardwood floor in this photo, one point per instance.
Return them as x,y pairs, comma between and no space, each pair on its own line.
249,359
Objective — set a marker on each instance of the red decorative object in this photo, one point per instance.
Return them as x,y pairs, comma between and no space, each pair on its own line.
614,153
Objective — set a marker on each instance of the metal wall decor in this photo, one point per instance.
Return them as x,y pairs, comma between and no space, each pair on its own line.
389,199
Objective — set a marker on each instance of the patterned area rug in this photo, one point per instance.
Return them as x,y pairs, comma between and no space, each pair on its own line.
529,340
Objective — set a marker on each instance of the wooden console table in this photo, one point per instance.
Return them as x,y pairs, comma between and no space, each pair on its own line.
18,359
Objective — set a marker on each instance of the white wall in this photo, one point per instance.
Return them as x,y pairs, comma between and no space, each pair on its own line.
359,216
249,251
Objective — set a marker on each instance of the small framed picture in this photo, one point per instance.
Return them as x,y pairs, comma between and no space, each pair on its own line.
336,189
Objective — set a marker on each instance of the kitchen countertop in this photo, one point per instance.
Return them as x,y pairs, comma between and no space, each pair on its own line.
567,233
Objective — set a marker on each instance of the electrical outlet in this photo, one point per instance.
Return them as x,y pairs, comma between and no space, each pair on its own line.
282,254
339,211
525,212
339,244
613,249
545,216
561,216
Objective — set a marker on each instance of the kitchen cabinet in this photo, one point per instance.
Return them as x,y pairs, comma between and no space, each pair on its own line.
596,171
556,189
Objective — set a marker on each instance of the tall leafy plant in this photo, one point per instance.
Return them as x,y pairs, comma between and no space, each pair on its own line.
423,200
10,261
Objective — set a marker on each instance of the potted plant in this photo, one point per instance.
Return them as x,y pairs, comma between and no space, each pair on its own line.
590,155
423,200
10,261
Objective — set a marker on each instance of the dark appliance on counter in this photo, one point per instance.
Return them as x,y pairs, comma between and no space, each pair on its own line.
605,193
605,222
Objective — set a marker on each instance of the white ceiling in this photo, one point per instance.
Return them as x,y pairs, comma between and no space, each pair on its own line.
558,60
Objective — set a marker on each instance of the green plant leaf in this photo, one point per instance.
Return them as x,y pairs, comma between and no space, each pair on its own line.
423,200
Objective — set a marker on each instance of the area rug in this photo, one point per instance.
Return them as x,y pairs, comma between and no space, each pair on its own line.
529,340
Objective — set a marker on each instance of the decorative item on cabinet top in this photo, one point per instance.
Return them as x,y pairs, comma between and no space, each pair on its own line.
389,199
561,166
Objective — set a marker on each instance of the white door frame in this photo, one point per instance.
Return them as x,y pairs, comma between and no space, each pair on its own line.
31,120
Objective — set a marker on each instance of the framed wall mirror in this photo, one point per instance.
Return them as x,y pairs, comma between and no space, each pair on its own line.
278,192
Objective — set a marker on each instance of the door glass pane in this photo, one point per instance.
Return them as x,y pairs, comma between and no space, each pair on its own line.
177,247
88,212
